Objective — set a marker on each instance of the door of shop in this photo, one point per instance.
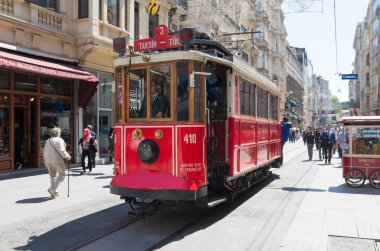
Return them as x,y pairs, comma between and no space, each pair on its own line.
25,140
104,127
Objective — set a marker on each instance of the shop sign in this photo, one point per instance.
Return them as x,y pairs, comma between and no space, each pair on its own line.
162,41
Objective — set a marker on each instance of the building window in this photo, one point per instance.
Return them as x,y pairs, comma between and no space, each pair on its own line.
56,112
153,23
25,82
137,24
105,88
4,80
113,12
56,86
48,4
367,59
82,9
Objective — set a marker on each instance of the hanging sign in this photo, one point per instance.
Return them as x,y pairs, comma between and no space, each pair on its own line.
162,41
349,76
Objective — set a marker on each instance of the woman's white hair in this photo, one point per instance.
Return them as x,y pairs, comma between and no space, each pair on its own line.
55,132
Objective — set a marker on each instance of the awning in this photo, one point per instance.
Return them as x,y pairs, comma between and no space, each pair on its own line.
88,83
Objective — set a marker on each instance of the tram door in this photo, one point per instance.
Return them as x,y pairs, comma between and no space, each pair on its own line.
217,106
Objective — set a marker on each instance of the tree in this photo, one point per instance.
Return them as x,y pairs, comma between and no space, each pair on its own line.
336,104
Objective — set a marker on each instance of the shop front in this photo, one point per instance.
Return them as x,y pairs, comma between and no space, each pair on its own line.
36,95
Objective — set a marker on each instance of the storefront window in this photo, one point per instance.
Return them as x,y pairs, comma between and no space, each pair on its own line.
25,82
105,90
4,80
4,124
366,141
113,12
56,112
56,86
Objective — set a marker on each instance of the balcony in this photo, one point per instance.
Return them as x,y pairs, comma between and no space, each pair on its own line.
50,20
6,6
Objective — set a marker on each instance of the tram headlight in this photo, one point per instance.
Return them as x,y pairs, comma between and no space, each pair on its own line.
148,151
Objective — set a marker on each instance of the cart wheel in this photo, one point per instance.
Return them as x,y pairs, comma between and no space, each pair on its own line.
374,179
355,178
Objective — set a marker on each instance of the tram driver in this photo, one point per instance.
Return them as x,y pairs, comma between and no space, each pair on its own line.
159,101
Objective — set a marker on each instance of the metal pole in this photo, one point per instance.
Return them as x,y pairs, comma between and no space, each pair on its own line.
68,179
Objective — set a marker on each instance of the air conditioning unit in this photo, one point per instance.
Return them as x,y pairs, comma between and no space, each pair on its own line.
274,77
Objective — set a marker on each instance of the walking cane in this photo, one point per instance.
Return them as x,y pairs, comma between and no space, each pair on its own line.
68,179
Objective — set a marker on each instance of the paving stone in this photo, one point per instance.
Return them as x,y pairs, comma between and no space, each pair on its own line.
352,244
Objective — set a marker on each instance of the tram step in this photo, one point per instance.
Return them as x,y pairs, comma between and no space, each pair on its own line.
216,200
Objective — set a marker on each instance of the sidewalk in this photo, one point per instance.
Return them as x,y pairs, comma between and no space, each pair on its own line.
332,210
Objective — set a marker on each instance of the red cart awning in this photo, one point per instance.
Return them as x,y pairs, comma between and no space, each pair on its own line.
87,85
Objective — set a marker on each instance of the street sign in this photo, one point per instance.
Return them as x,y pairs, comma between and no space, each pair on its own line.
349,76
162,41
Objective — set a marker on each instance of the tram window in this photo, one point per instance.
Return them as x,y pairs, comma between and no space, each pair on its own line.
262,103
198,94
247,99
183,91
273,113
160,91
366,141
137,94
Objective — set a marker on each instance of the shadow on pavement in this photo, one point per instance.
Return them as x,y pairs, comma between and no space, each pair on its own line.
74,232
295,189
344,188
104,177
35,200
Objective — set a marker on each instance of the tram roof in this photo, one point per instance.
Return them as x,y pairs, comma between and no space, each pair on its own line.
360,119
245,70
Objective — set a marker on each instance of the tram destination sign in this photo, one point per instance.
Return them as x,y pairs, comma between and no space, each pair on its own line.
162,41
349,76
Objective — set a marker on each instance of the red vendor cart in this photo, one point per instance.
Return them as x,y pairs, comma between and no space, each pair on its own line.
361,150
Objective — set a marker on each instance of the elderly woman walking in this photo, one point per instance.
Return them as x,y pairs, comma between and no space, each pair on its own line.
54,157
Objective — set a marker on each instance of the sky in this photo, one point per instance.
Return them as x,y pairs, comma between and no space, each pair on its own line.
315,32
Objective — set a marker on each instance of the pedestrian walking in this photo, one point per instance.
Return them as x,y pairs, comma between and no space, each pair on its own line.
93,150
309,141
318,141
285,131
111,144
86,144
55,155
339,143
325,144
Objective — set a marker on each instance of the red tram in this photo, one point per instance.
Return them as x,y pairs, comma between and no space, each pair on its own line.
198,124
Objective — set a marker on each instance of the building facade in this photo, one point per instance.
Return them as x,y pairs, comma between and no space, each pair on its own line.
56,68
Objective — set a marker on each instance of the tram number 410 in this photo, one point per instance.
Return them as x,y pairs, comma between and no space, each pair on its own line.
190,138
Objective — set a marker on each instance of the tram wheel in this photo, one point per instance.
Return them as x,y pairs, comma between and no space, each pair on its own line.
374,179
355,178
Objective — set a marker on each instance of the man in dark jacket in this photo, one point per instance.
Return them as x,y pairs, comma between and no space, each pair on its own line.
309,141
318,141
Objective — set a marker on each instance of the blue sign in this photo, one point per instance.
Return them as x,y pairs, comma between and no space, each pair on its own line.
349,76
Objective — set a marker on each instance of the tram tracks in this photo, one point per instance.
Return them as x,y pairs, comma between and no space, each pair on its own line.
179,229
107,233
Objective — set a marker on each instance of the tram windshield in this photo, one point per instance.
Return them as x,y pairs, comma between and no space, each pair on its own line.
366,141
161,91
